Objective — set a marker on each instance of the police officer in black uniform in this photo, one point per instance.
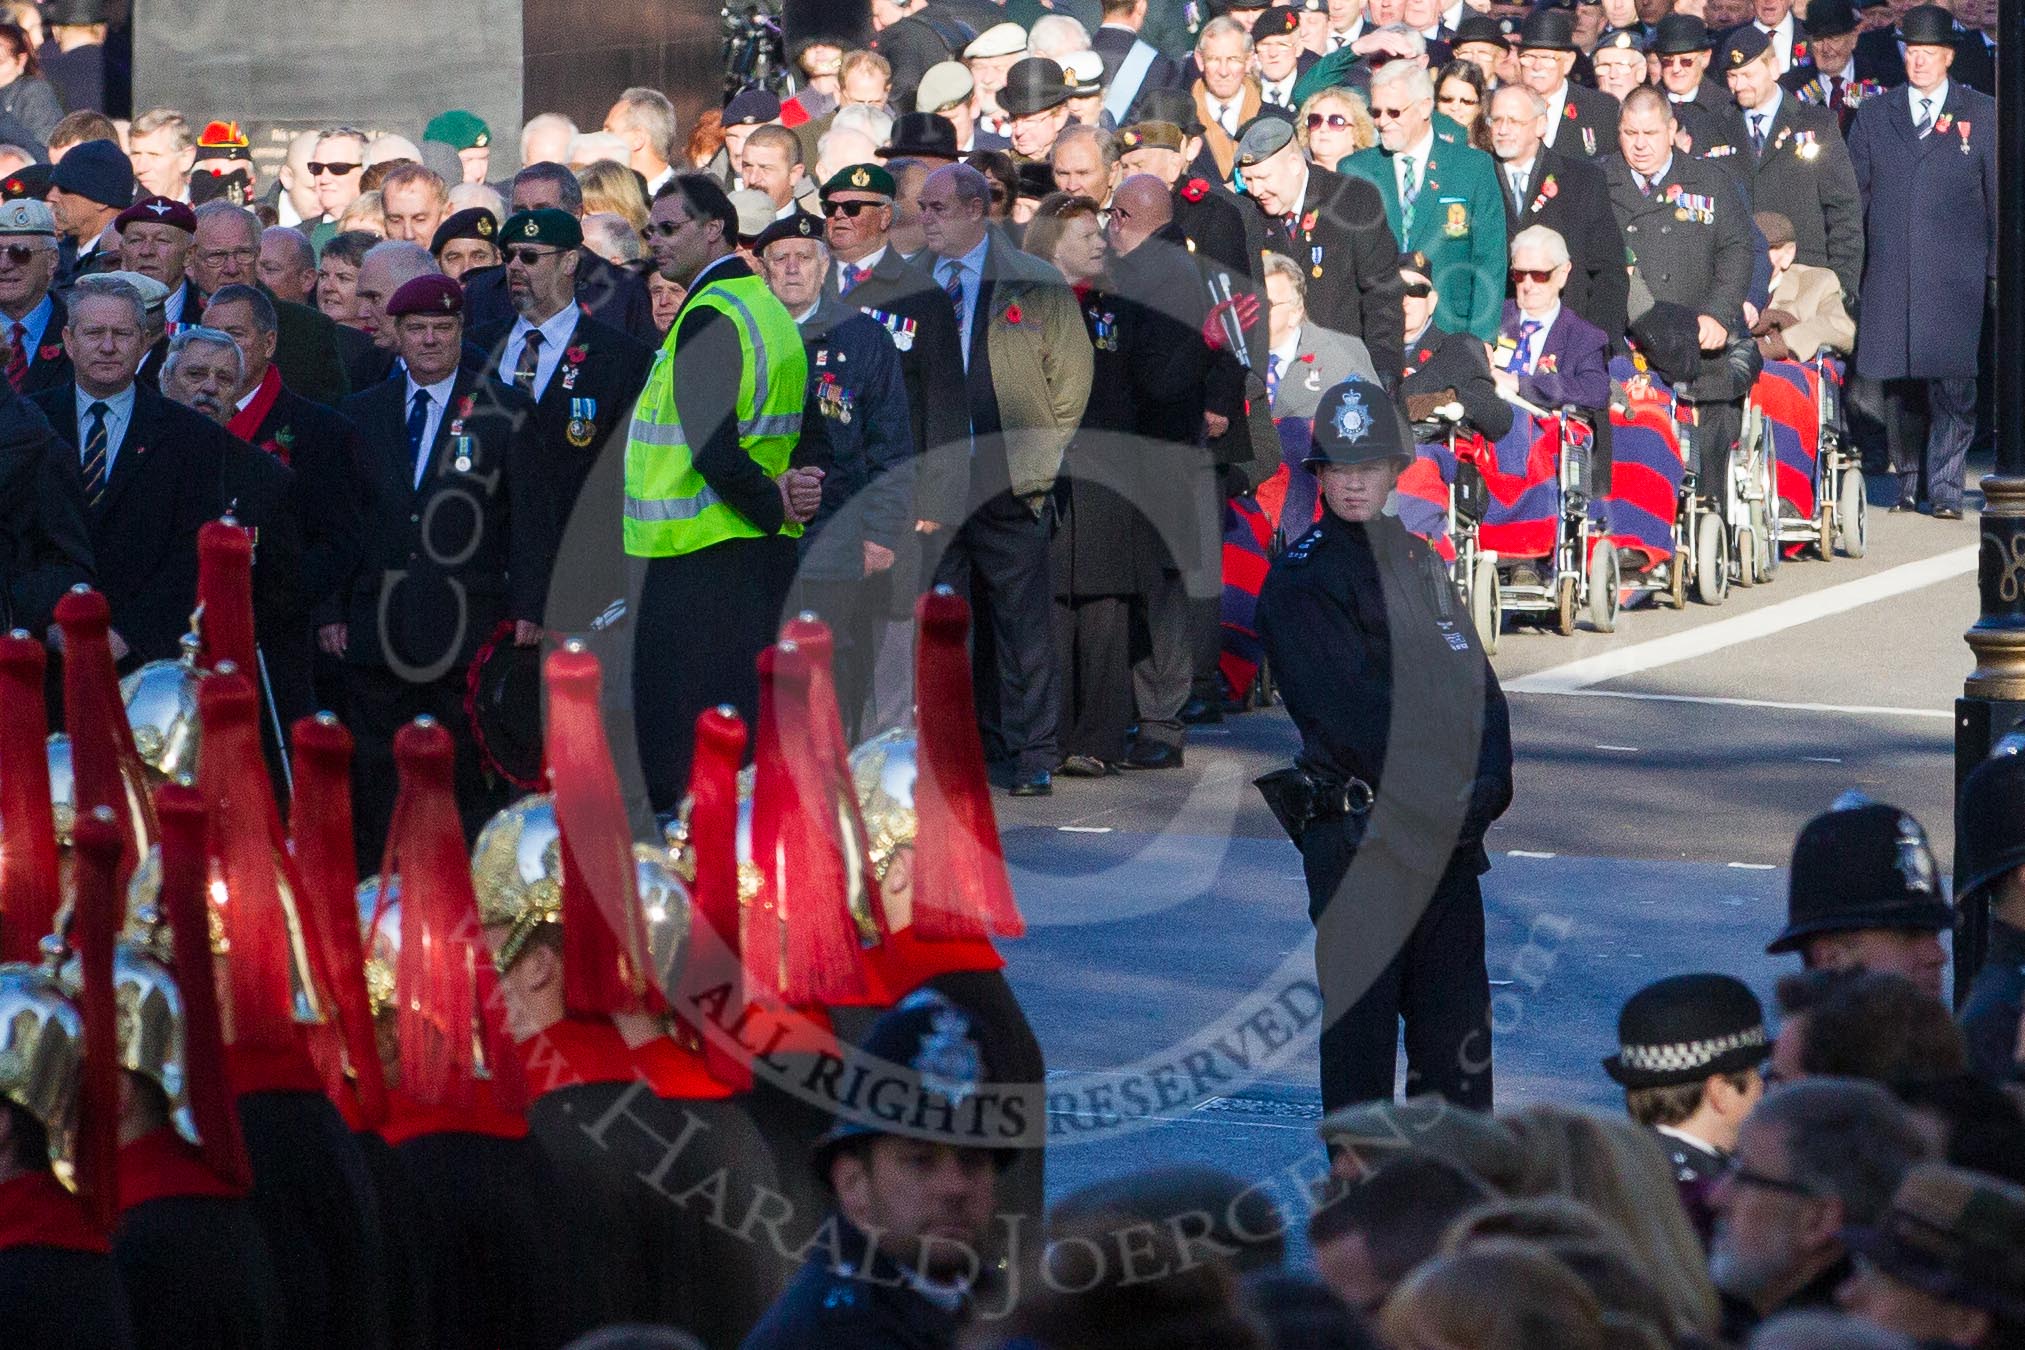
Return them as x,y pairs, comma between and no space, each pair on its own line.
1990,835
914,1211
1406,759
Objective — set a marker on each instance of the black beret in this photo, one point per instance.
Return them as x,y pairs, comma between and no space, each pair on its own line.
474,222
800,225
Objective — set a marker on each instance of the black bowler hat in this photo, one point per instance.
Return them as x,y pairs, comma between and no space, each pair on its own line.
1477,28
1686,1028
1548,30
1357,423
1829,18
921,135
1926,26
1173,106
939,1052
1990,819
1680,34
1033,85
1861,864
1036,179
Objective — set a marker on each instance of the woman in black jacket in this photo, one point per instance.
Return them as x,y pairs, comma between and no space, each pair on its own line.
25,95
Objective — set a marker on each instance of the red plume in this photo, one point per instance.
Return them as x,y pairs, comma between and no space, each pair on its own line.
713,961
605,962
225,593
447,1013
321,836
29,893
960,882
106,769
184,864
94,927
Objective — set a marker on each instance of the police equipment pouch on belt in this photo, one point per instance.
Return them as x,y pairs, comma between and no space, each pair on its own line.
1299,799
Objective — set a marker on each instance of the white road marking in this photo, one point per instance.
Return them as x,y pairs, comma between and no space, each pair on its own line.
1526,853
1084,829
1821,759
1754,867
1627,749
1847,709
1773,618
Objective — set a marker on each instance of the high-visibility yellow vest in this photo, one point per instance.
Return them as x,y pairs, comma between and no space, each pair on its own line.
670,510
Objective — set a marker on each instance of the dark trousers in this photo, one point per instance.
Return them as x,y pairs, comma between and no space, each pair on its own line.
381,703
1928,425
1002,550
1205,645
1432,975
1165,670
856,614
1091,641
1717,427
703,620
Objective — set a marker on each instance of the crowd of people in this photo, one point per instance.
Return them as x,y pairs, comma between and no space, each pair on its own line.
910,412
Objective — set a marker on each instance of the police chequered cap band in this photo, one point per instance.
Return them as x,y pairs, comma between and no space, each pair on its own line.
1686,1055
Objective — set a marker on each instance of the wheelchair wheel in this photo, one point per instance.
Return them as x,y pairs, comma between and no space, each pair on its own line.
1712,559
1564,619
1676,579
1826,525
1852,511
1745,544
1487,610
1603,587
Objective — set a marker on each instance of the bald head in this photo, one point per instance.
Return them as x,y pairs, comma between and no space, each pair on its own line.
387,268
1141,206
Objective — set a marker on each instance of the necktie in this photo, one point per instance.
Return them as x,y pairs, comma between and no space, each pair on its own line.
1835,92
952,282
94,455
1272,376
1409,190
852,276
1517,178
1757,133
1924,123
1527,329
1644,185
17,356
418,423
530,363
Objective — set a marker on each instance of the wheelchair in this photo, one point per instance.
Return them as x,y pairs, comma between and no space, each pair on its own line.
1820,490
1542,530
1442,497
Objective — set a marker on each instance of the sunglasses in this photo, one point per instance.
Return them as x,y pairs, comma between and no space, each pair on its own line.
1388,114
1537,275
851,209
1686,59
529,257
1333,121
334,170
1418,290
20,254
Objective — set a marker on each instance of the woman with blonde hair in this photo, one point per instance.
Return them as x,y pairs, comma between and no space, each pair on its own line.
1497,1295
610,186
1635,1314
1334,123
365,213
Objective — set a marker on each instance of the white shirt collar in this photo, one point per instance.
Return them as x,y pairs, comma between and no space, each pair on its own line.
1545,321
1693,1141
555,329
1939,95
439,392
1556,101
1422,148
868,262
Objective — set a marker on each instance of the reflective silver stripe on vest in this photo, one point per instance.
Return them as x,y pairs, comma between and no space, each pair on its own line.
656,509
658,433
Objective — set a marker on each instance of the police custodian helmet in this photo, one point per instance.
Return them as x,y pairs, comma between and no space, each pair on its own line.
1356,423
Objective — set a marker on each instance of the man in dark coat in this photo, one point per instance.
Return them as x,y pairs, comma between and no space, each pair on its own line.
611,295
1790,158
1569,196
583,376
226,252
453,525
151,473
1831,81
1926,162
1701,102
1119,43
1580,121
32,316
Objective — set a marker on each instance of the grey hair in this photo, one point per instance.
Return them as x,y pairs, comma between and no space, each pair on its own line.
300,251
405,258
874,122
1545,238
544,122
971,186
1845,1138
110,288
219,210
650,111
1106,143
1416,43
1280,265
1223,25
613,231
1419,84
200,336
1533,100
569,191
341,133
265,320
1057,35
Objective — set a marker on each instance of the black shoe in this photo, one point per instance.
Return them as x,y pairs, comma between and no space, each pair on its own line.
1035,784
1084,766
1153,755
1904,506
1201,712
1947,513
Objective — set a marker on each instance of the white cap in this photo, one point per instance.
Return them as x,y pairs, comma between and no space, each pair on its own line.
1083,72
942,84
755,211
153,292
1001,39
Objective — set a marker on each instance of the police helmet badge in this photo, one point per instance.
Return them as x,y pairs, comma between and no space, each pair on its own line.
1915,858
949,1062
1353,419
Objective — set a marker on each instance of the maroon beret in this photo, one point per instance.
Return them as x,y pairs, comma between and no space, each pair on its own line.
431,294
157,211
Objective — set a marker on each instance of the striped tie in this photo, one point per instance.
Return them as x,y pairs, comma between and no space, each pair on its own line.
17,355
94,455
529,364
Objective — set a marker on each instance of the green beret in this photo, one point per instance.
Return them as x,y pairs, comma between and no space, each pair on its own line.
546,225
458,129
862,178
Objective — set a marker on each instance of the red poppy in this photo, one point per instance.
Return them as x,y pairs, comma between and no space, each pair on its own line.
464,406
1194,190
1568,111
1426,355
1012,313
574,355
49,352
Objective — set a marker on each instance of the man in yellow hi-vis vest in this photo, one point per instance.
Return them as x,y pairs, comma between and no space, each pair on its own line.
712,504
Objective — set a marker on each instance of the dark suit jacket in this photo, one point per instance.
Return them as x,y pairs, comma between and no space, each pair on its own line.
1588,123
1578,208
1162,72
365,364
1804,174
423,599
609,294
44,541
1703,262
48,363
1359,289
173,471
305,349
599,388
322,447
1571,366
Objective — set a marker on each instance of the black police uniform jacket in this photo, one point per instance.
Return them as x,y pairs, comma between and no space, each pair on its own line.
1570,195
1438,361
1352,615
444,563
611,295
1804,174
1340,238
1691,238
45,544
859,1300
582,417
173,471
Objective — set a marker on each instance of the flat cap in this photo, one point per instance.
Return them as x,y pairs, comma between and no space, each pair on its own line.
1263,137
1744,45
943,84
1956,1235
458,129
430,294
545,225
1001,39
1776,226
156,211
473,222
751,108
153,293
800,225
872,178
25,215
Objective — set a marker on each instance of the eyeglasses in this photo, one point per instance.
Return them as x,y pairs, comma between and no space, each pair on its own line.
334,170
1539,276
20,254
529,257
1333,121
850,209
212,257
666,229
1740,1175
1387,114
1418,290
1682,59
